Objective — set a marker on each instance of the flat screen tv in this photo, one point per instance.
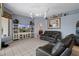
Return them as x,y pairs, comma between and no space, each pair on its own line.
24,27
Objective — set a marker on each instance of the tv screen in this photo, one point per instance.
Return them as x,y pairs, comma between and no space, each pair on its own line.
24,27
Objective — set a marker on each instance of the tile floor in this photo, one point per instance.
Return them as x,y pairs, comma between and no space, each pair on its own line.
25,47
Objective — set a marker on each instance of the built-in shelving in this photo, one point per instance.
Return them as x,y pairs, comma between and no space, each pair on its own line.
22,32
15,29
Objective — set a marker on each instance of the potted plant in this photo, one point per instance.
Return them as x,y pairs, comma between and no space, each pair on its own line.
15,21
31,23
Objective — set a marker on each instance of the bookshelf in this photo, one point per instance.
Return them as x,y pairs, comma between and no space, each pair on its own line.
15,29
21,32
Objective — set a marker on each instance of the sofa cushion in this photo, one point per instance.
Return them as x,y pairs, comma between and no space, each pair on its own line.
47,48
58,49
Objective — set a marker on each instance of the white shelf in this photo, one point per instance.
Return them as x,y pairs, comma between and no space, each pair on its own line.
15,31
22,35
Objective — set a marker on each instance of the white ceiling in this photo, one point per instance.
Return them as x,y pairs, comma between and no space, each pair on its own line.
27,9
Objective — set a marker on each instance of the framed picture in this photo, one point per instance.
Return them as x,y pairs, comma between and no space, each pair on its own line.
54,23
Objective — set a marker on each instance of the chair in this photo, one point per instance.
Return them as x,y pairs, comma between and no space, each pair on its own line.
61,48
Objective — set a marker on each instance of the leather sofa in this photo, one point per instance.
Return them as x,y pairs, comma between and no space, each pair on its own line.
61,48
51,36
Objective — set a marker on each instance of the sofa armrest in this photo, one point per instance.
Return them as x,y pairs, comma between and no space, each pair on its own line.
47,48
40,52
44,50
67,52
